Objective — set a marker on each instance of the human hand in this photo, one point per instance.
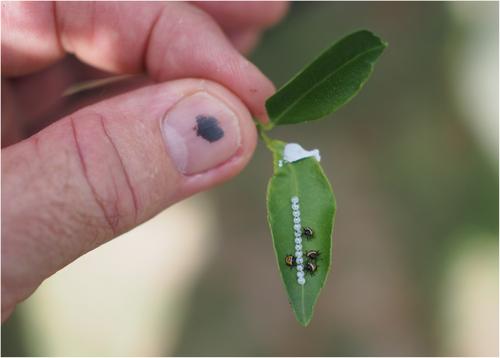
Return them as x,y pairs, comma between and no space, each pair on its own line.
109,166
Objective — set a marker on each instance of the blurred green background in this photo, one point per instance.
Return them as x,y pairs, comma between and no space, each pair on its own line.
413,161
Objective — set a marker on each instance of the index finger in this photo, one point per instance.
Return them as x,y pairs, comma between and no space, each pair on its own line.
167,40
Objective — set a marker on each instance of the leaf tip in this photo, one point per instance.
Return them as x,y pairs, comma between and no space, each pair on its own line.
305,322
375,36
303,315
303,318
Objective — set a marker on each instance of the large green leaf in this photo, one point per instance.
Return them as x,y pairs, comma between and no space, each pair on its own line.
306,180
329,82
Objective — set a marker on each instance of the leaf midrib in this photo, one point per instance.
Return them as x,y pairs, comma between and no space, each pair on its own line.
294,103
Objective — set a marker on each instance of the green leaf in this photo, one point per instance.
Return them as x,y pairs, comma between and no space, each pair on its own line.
329,82
321,88
306,180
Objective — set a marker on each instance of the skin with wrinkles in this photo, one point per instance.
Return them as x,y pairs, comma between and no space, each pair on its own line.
92,170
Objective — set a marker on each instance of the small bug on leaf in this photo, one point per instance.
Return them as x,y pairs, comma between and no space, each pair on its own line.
291,260
310,267
312,254
308,232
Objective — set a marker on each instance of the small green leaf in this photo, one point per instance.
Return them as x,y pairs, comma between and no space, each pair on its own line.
306,180
329,82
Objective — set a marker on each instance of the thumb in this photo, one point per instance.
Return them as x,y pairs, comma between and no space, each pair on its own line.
109,167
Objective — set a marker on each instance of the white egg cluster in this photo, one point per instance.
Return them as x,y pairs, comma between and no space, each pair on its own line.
297,227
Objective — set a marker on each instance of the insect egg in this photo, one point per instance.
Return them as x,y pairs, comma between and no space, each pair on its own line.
297,260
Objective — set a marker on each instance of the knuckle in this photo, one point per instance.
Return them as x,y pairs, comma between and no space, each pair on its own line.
275,12
170,50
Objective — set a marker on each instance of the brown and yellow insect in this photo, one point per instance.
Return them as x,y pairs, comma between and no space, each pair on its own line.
291,260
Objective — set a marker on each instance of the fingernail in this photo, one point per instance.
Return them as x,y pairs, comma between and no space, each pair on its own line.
200,132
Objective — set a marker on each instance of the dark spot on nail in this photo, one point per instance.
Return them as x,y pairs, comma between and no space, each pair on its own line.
208,128
253,90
